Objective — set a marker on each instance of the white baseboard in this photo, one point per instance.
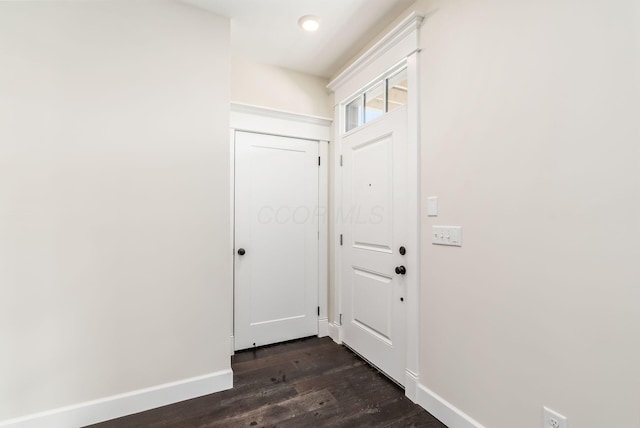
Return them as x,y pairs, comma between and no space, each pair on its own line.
323,327
116,406
444,411
411,385
335,332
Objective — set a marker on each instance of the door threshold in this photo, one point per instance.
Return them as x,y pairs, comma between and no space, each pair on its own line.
269,345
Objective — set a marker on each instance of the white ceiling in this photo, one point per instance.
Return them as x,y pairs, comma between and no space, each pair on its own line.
267,30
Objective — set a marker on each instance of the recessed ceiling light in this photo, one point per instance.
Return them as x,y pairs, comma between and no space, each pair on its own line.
309,23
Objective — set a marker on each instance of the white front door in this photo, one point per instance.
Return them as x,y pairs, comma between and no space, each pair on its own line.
276,239
375,226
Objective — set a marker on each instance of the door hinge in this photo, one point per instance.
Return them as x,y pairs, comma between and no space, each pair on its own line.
340,319
340,160
340,239
318,310
318,160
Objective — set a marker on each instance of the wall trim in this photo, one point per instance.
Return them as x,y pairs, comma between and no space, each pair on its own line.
335,332
404,28
280,114
263,120
444,411
323,241
411,383
115,406
414,218
323,327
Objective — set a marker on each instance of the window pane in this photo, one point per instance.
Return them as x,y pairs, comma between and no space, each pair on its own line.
353,114
397,90
374,102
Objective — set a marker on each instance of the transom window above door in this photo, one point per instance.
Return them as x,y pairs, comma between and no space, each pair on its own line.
383,95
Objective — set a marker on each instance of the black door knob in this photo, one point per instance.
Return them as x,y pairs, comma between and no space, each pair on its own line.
241,251
401,270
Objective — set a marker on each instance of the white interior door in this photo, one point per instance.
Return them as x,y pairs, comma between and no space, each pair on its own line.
276,239
375,227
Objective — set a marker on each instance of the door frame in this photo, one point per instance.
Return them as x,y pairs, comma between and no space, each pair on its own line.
401,44
262,120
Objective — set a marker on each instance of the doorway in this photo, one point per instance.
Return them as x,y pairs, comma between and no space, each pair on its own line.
375,232
366,91
276,239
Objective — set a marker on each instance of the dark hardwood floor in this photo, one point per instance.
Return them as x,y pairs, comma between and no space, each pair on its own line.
305,383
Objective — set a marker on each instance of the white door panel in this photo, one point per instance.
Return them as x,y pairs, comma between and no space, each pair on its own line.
276,280
372,193
372,309
374,187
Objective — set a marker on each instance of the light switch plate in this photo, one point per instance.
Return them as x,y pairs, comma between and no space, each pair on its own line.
432,206
447,235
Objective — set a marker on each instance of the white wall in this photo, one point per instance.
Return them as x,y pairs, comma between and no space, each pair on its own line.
115,270
530,138
279,88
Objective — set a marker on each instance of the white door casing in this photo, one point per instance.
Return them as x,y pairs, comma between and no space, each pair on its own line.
374,220
401,44
276,226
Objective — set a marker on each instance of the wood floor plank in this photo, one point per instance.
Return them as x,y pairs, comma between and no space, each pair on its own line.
333,377
309,383
275,413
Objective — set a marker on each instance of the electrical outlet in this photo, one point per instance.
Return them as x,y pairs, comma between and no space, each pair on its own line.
551,419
